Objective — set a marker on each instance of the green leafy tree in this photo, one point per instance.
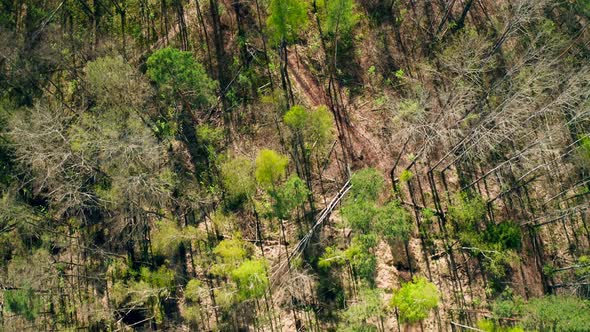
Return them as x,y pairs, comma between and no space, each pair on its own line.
23,302
368,306
393,222
360,215
466,211
286,20
251,279
415,300
237,177
366,185
557,313
291,194
340,16
270,168
178,75
362,258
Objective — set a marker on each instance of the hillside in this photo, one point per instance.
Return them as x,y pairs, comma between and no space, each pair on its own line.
294,165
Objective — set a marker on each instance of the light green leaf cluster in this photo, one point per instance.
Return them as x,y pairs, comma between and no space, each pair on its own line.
369,305
367,184
238,180
415,300
557,313
230,253
251,279
340,16
467,211
291,194
394,222
286,19
315,126
194,290
270,167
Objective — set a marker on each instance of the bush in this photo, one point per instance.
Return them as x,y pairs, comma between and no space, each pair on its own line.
394,222
415,300
506,234
270,167
251,279
178,75
557,313
466,211
359,215
238,180
286,19
366,184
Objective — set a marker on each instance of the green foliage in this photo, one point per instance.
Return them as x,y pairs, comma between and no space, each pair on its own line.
366,185
286,19
237,177
361,257
557,313
166,238
549,313
584,151
163,277
393,222
251,279
147,293
23,302
340,16
415,300
178,75
315,126
507,306
466,212
491,326
194,290
332,256
406,175
506,235
296,117
368,306
270,167
359,214
112,82
230,253
291,194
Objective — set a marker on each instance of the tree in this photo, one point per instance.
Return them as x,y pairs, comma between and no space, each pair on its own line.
366,185
238,180
368,306
251,279
415,300
113,83
270,168
286,20
557,313
394,223
178,75
340,16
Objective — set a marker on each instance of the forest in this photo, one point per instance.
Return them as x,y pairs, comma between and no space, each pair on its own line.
295,165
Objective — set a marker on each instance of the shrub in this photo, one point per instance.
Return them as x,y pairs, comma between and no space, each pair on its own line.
251,279
270,167
366,184
415,300
286,19
394,222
